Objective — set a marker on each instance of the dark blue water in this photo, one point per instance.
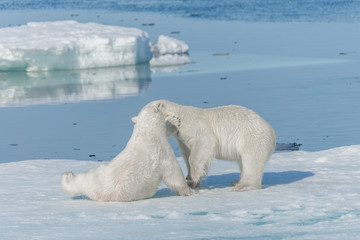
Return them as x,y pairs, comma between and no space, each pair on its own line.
247,10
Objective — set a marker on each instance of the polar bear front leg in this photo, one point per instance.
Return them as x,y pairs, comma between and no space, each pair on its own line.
173,177
201,155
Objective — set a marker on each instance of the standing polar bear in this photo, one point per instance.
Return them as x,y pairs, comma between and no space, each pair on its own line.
136,172
230,132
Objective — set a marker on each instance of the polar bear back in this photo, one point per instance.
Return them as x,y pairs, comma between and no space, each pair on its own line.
241,127
234,127
234,120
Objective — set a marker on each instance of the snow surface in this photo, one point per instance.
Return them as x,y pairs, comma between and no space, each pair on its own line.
45,46
305,195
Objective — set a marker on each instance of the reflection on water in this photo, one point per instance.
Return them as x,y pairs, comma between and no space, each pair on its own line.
29,88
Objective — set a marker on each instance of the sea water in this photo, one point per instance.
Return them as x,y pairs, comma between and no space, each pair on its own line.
299,73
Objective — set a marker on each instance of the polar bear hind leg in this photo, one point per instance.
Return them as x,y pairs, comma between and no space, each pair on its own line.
173,177
252,170
185,152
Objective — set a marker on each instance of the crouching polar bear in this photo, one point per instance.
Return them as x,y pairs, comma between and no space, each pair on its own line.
136,172
230,132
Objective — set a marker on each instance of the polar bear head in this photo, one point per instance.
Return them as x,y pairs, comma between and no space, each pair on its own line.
155,115
149,115
170,112
151,119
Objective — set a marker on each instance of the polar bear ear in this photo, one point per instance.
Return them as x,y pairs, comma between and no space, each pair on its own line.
134,119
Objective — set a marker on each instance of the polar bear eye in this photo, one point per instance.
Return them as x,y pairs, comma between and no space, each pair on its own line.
160,105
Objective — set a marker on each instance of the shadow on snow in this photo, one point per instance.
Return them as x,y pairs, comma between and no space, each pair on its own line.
221,181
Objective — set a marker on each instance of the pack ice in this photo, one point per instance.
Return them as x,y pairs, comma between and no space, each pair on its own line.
45,46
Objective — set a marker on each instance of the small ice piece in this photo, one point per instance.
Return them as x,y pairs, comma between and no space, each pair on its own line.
169,45
169,51
170,60
45,46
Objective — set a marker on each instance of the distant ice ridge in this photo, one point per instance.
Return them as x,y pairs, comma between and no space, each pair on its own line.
46,46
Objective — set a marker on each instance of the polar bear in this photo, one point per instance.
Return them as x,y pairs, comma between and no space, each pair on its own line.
231,132
136,172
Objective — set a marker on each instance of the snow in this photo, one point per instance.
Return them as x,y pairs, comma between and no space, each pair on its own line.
305,195
73,45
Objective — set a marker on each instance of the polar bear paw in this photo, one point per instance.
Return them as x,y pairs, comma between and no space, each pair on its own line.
193,184
234,183
187,192
67,183
67,177
174,120
244,187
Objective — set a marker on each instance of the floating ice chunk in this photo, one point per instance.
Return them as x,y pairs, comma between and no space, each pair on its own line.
170,59
169,45
44,46
169,51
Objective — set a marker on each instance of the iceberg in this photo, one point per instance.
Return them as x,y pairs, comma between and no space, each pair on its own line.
59,45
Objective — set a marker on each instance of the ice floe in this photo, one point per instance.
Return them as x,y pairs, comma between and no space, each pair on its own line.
305,195
46,46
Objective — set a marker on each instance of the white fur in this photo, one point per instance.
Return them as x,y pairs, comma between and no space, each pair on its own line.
230,132
136,172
